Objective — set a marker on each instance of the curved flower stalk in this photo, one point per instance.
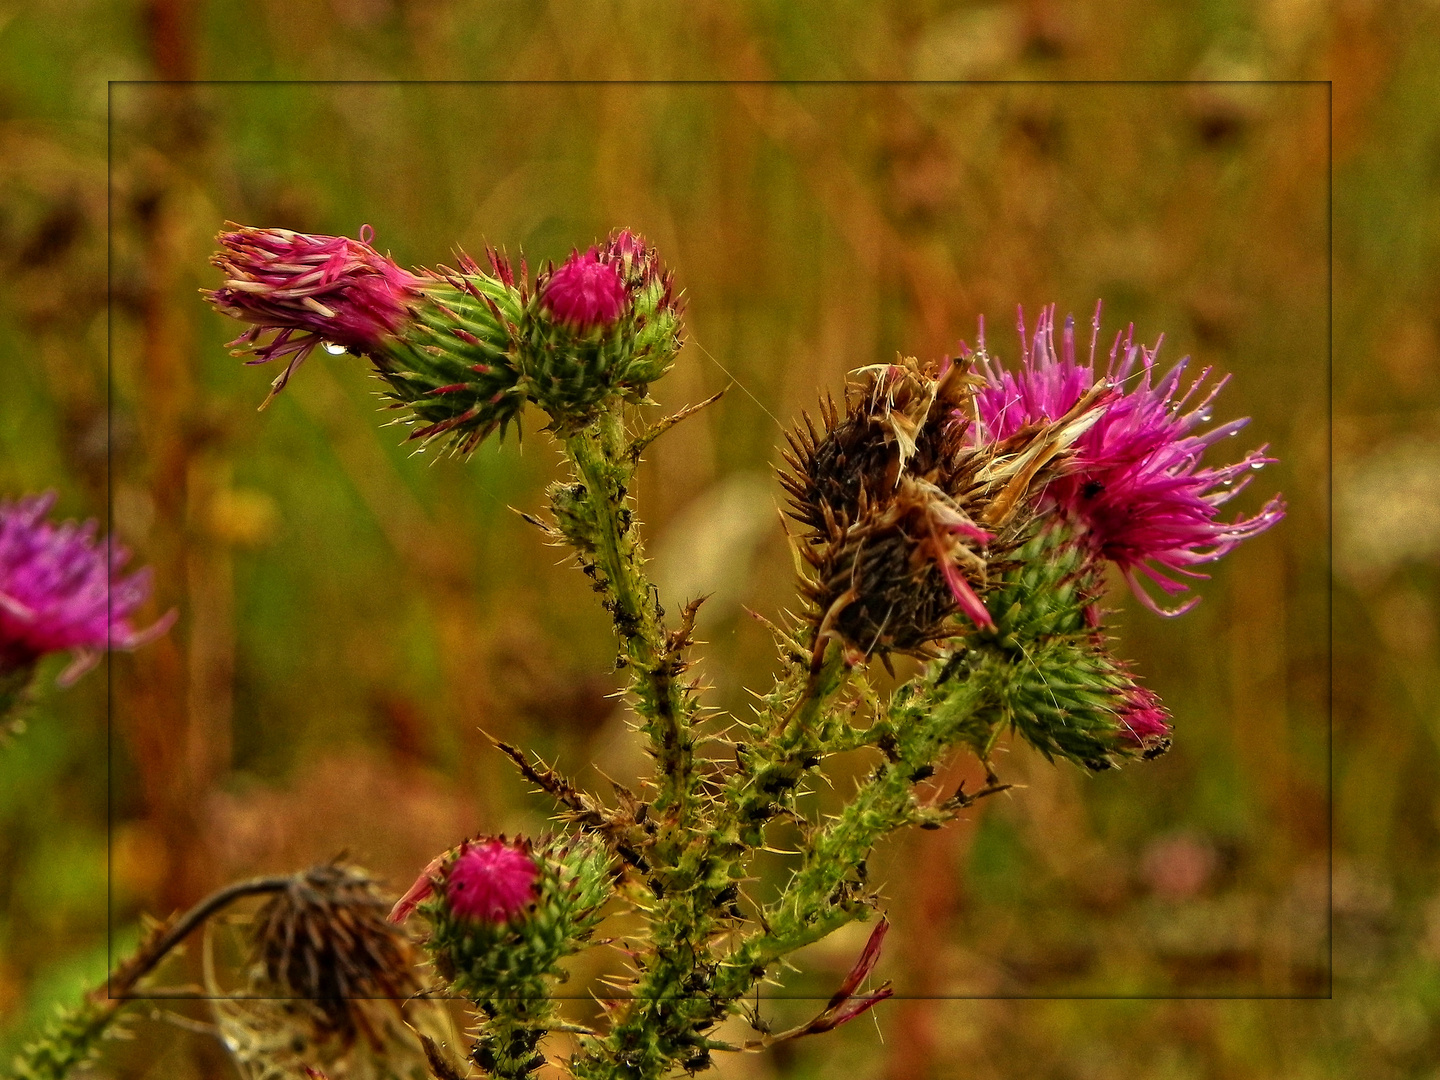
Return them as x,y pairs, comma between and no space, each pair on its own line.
322,955
61,591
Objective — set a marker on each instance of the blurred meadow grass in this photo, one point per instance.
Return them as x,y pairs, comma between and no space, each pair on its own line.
352,614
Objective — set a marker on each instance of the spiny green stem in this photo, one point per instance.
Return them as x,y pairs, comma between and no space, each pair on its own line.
68,1041
675,1002
800,737
601,456
829,889
508,1046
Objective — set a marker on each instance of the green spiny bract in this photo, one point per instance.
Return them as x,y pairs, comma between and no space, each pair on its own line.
454,368
1054,679
569,373
1071,699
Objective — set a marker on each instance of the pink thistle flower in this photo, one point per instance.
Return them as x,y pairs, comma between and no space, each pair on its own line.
492,881
586,291
1137,489
57,592
307,290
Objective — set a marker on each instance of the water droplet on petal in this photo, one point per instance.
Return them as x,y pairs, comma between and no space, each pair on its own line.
1205,415
333,349
1257,464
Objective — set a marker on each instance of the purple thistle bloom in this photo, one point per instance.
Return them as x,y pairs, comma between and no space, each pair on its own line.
1137,491
307,290
586,291
56,593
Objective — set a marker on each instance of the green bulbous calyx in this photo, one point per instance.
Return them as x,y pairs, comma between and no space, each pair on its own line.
1052,677
453,369
486,958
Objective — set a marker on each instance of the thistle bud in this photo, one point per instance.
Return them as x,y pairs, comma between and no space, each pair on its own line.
604,322
1064,692
658,329
504,913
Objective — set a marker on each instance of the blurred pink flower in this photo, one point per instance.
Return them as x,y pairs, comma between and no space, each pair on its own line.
57,592
1137,490
307,290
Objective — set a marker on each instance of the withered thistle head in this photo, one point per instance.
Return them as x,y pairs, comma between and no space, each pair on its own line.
903,510
325,938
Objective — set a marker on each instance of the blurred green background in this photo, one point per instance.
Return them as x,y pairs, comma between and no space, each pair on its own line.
352,614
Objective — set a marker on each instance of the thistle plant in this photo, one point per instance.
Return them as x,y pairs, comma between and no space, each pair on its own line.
959,512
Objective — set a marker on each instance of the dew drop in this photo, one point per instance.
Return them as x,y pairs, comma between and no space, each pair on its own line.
333,349
1205,415
1257,464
